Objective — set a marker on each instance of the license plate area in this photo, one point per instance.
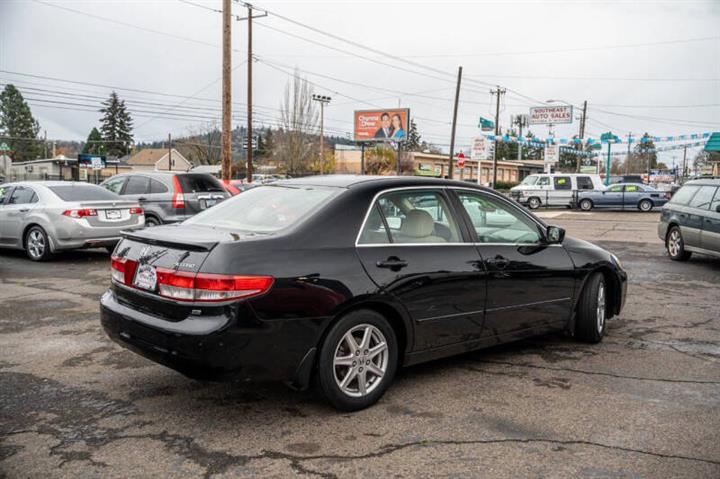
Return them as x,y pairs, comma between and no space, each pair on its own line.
146,277
113,214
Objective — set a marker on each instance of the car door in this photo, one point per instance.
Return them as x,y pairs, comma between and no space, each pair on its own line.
412,247
16,209
530,283
697,210
710,236
632,194
561,193
5,193
612,197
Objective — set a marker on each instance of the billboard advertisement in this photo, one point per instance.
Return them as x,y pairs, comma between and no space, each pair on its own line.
381,125
479,149
552,153
555,115
96,162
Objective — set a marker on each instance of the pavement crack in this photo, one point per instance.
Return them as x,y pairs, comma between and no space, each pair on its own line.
597,373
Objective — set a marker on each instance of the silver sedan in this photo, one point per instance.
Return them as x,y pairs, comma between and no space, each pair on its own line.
43,217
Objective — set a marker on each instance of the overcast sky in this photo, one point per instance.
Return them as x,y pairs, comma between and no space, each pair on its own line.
642,66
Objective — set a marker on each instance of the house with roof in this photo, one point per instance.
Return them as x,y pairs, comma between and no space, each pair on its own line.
152,159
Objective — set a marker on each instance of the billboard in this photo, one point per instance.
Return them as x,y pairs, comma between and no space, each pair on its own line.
96,162
381,125
545,115
552,153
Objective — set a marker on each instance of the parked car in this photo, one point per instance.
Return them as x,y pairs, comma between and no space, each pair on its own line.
623,196
690,222
553,189
343,279
45,217
168,197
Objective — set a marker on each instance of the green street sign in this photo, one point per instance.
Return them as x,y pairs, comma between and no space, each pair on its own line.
4,147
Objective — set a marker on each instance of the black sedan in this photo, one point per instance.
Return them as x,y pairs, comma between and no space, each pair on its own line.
340,280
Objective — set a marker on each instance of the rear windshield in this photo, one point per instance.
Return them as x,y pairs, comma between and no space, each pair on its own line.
83,193
199,183
265,209
683,195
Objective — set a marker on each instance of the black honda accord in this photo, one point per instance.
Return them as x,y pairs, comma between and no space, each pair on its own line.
340,280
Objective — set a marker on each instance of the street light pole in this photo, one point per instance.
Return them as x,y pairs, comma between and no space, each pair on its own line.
322,100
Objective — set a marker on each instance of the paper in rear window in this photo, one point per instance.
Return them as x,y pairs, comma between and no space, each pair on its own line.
199,183
83,193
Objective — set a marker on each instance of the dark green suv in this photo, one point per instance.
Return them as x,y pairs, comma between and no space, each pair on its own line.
690,222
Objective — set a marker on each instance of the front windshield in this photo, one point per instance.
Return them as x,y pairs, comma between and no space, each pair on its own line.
265,209
529,180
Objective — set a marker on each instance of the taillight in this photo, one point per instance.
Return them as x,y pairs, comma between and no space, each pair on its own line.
200,287
178,197
123,270
136,211
81,213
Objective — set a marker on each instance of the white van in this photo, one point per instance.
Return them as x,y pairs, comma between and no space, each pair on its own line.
557,189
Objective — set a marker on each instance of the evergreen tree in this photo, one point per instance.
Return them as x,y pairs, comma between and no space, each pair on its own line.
414,141
116,126
17,123
94,144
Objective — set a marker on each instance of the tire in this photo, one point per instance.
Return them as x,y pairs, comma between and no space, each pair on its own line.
534,203
151,221
675,245
356,326
591,320
645,206
37,245
586,205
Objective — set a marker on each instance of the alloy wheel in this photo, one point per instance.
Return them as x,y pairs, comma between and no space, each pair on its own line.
360,360
673,245
600,313
36,244
585,205
645,206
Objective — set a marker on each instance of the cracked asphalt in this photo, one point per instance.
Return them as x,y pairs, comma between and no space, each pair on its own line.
644,403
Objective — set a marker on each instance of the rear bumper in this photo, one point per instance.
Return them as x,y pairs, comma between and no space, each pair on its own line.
226,345
73,234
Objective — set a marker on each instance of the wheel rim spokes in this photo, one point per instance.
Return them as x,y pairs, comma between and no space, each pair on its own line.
674,243
36,244
360,360
601,307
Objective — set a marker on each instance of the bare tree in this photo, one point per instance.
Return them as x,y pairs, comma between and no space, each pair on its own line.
202,146
294,143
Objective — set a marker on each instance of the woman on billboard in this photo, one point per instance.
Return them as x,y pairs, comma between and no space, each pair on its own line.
397,130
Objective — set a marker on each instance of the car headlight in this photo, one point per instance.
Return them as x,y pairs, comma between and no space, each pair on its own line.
617,261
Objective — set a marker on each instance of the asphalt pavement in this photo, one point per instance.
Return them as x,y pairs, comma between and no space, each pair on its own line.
643,403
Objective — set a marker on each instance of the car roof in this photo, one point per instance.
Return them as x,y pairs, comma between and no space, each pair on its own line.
350,181
704,182
47,183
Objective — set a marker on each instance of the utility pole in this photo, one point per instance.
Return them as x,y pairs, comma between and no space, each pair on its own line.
454,124
627,158
45,143
582,135
169,147
498,92
682,178
226,151
249,167
520,121
322,100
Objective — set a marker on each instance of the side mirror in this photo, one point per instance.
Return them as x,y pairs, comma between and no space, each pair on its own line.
555,234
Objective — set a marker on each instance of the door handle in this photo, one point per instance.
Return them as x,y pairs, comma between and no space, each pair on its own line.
498,261
142,198
393,263
24,210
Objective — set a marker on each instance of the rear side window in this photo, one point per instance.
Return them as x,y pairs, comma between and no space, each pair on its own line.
374,231
683,195
157,187
4,191
114,185
137,185
584,183
199,183
22,195
562,183
80,192
266,209
703,198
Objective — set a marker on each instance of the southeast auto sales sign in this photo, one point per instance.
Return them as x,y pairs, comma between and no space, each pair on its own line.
544,115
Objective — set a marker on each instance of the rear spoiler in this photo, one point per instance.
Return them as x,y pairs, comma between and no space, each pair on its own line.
144,236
